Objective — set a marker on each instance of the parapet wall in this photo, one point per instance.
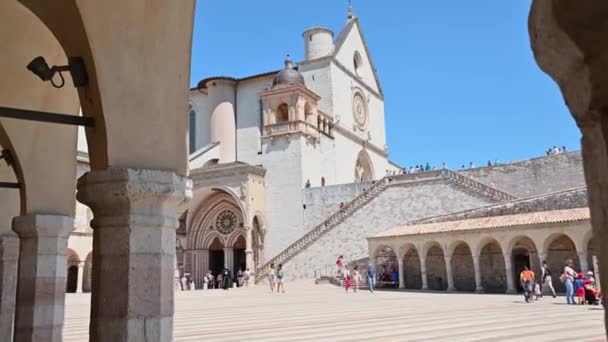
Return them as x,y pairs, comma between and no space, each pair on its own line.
534,177
323,201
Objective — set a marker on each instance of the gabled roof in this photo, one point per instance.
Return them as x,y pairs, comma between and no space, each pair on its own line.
342,38
535,218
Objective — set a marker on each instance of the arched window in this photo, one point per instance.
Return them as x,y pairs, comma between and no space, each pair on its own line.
283,113
357,63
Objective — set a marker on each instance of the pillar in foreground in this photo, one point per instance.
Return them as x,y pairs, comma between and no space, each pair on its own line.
401,274
43,242
509,273
478,284
9,254
80,276
448,271
425,284
249,262
135,219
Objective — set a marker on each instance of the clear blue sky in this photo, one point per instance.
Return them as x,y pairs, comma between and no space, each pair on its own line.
459,78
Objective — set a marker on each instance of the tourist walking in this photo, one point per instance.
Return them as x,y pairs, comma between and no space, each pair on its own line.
356,278
340,264
280,279
546,281
246,277
271,277
579,287
568,278
240,277
226,277
371,278
219,280
347,280
526,279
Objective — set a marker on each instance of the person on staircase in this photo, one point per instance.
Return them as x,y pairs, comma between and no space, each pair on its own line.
280,279
340,264
271,277
347,278
356,275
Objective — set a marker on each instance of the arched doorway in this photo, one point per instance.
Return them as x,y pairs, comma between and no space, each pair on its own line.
386,265
492,268
435,269
523,254
560,249
411,269
239,258
463,268
71,285
216,256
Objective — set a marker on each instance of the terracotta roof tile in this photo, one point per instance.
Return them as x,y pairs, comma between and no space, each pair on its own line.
541,217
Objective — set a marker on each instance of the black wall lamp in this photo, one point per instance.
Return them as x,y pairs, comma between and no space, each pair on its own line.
75,66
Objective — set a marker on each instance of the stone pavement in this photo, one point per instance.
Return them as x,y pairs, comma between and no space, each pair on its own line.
325,313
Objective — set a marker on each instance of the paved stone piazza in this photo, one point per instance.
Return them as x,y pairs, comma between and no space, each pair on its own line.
309,312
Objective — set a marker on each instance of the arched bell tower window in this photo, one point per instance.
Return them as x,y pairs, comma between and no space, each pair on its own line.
283,113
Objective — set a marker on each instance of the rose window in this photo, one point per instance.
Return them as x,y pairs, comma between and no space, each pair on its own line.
225,222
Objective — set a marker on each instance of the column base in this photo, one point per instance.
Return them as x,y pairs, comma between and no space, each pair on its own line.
42,276
511,291
480,290
9,248
451,289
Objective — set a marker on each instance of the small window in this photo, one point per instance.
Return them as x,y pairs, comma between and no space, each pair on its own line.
283,113
357,63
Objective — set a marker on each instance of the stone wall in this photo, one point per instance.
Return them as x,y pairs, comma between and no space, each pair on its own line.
323,201
576,198
534,176
398,204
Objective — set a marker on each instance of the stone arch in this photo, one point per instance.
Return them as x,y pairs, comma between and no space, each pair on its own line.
310,114
282,113
559,248
386,264
72,261
492,266
411,268
357,63
435,267
523,252
364,169
204,219
239,260
463,269
211,162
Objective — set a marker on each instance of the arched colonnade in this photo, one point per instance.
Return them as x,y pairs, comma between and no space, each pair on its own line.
487,260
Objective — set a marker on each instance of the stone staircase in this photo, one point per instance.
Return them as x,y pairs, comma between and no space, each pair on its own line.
371,193
478,187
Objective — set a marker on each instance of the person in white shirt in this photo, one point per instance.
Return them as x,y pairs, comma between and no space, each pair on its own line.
545,278
569,275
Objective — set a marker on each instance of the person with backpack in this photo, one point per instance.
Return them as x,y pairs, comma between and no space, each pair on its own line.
545,278
371,278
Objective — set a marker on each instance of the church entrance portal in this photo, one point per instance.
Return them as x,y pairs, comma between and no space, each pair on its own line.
239,259
216,257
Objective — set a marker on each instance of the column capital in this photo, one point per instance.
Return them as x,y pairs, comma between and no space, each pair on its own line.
30,226
121,195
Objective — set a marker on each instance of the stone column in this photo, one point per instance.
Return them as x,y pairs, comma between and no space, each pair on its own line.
401,274
80,276
425,284
478,285
448,271
9,254
134,224
582,258
229,257
509,272
42,276
249,263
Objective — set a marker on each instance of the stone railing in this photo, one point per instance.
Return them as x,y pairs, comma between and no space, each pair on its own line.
281,128
325,226
478,186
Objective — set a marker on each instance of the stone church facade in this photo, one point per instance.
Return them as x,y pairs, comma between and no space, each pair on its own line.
273,155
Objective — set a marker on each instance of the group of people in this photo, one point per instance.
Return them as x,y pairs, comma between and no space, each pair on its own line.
276,278
580,289
551,151
223,280
352,278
